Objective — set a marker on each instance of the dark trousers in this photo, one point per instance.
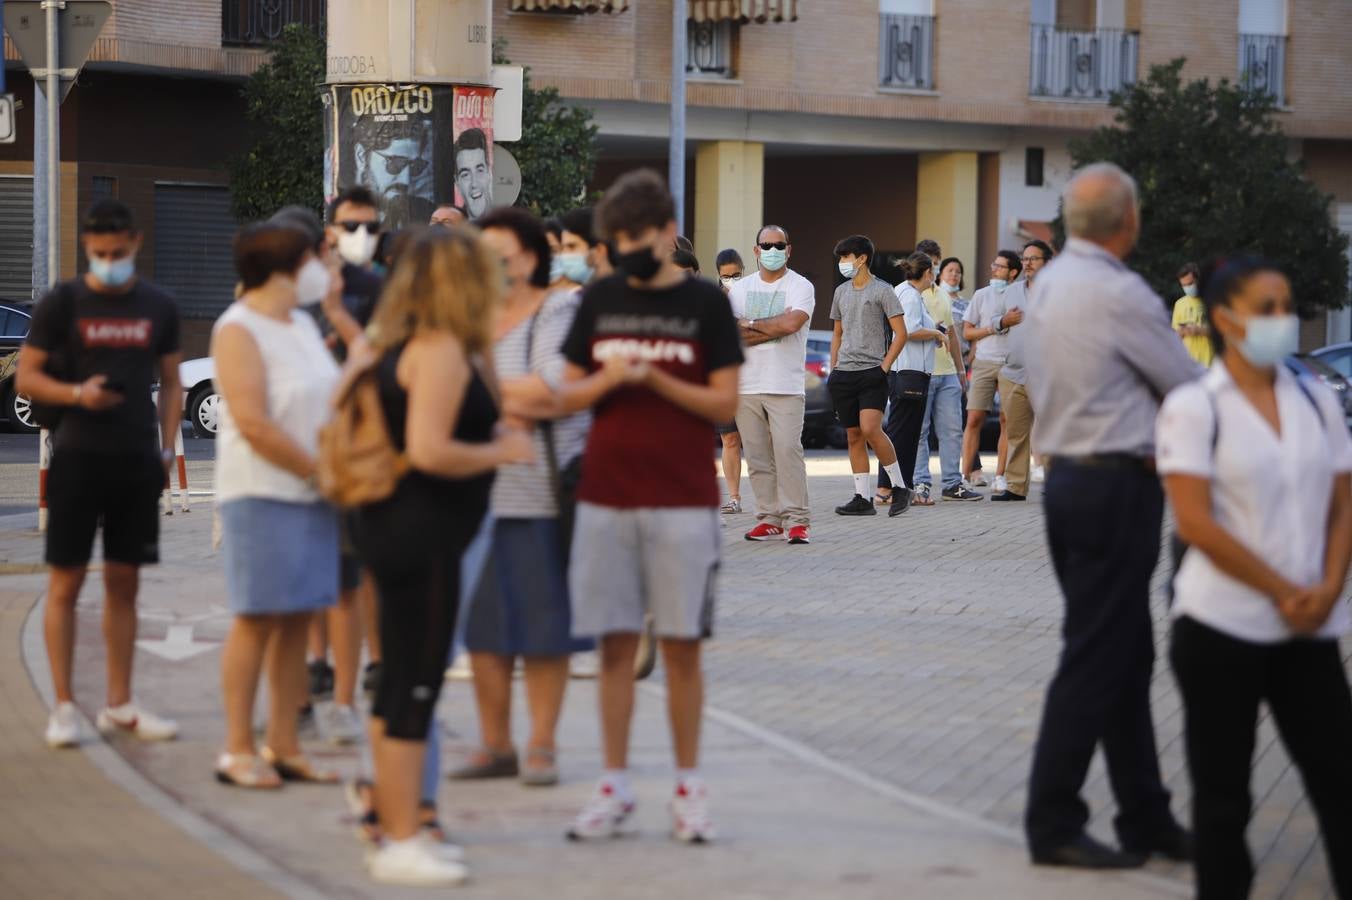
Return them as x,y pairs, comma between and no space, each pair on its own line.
1223,679
905,417
1103,526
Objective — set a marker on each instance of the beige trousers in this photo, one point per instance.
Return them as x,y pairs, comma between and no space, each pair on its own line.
1019,431
771,426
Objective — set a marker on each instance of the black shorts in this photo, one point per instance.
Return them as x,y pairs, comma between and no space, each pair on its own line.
730,428
853,391
120,491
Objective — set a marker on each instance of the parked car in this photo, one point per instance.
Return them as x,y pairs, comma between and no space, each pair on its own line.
14,321
202,405
820,428
1337,357
1320,366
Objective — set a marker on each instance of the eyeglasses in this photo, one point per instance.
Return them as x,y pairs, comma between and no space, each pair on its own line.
997,266
733,277
351,227
1033,259
773,245
397,164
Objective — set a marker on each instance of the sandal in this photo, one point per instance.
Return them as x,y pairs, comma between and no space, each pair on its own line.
540,769
487,764
298,768
882,499
247,771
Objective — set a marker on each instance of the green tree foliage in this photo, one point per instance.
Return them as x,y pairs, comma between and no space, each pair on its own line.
285,165
557,150
1216,177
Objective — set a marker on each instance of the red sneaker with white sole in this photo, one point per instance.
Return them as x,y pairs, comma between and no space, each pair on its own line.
765,532
798,535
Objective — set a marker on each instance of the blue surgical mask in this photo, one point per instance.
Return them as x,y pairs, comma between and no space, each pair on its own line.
574,267
1190,290
847,269
555,268
773,260
951,288
113,274
1268,339
999,284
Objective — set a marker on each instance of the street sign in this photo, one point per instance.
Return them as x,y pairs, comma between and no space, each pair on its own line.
6,118
79,24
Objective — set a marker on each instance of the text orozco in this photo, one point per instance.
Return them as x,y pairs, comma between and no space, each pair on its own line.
383,101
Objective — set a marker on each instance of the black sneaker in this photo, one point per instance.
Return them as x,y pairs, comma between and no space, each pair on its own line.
901,501
857,507
321,680
962,492
1007,496
370,679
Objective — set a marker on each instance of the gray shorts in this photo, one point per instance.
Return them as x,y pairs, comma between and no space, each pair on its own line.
657,560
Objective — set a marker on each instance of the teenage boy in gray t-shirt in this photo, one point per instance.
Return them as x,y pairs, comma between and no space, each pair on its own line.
863,310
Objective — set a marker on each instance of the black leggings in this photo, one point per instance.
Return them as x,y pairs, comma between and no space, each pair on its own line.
904,421
1223,680
415,561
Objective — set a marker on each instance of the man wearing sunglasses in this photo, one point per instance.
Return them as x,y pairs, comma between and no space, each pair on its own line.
773,307
394,161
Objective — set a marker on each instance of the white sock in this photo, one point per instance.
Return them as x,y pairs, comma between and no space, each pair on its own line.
861,484
618,779
894,472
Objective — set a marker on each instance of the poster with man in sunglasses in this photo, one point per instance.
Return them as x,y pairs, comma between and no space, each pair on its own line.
385,138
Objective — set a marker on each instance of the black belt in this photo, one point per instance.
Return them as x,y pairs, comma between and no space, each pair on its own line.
1107,461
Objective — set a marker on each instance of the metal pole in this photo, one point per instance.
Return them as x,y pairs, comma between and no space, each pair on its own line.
39,192
53,8
676,154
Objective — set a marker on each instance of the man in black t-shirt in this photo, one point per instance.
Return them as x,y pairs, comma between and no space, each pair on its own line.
656,354
96,347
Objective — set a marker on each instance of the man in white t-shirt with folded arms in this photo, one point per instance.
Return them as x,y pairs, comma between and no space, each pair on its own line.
773,308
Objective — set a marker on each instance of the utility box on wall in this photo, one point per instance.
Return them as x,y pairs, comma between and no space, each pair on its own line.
422,41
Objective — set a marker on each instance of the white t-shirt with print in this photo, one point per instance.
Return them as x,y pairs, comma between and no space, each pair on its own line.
774,367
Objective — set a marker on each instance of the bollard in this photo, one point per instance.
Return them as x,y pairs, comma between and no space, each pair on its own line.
182,462
44,463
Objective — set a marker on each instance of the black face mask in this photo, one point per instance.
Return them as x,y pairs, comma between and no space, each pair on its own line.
640,264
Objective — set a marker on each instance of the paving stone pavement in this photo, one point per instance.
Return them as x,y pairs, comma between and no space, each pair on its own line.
917,649
874,699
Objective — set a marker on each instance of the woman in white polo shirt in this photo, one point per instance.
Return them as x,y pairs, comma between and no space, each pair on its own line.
1257,467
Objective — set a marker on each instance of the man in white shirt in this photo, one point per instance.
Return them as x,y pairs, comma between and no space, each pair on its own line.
994,310
773,307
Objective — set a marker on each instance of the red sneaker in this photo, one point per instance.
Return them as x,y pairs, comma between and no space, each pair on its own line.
765,532
798,535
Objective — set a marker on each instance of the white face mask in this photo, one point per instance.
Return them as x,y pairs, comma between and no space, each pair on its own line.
847,269
312,282
951,288
358,247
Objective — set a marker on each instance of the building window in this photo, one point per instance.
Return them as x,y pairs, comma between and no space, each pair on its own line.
256,22
1033,158
906,51
709,49
1262,64
1081,64
103,187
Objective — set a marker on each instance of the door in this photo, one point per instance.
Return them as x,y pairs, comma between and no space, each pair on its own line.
16,238
194,235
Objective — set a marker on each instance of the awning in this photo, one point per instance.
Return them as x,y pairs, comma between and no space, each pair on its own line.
569,7
744,11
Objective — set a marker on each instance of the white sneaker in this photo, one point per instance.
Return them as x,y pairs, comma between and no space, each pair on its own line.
459,670
341,725
586,664
63,726
1001,484
131,718
690,821
443,849
1039,474
412,862
604,816
979,480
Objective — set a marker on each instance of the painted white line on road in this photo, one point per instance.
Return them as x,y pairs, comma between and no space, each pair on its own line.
120,772
815,758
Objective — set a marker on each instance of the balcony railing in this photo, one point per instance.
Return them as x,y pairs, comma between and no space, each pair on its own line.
253,23
906,52
1262,64
1081,65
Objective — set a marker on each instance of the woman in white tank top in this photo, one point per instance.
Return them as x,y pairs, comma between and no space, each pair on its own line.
280,539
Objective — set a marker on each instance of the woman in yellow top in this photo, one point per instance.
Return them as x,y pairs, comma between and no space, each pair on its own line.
1190,317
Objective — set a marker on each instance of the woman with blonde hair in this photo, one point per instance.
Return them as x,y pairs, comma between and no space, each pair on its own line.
433,331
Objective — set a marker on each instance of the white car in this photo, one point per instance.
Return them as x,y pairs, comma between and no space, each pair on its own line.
202,409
